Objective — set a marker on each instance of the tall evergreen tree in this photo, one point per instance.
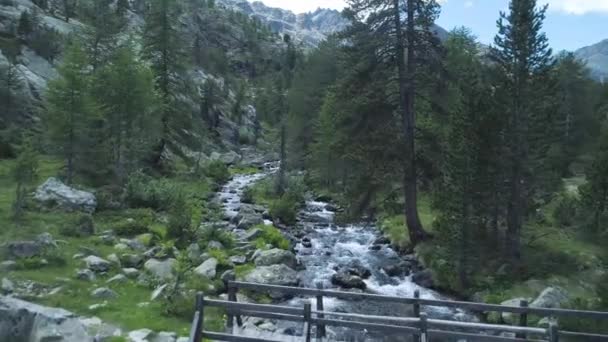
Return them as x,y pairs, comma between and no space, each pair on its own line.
164,49
100,35
523,55
406,44
25,173
71,110
125,91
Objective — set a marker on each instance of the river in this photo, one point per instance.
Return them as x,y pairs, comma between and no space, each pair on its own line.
326,247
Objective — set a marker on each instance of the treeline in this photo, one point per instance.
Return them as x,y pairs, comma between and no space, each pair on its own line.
128,95
385,109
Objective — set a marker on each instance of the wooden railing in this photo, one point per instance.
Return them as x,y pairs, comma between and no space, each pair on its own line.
420,327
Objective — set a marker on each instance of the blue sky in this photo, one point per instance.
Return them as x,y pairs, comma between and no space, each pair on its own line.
570,24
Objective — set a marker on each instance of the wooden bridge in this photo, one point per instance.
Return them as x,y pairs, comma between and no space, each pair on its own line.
420,328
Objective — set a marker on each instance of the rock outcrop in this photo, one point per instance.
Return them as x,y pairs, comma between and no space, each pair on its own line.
53,192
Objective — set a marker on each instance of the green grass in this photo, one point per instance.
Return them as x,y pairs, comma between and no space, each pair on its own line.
75,294
395,229
244,170
271,236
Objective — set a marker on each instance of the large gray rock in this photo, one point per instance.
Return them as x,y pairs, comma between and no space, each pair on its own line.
424,278
273,275
508,317
551,297
161,269
207,269
131,260
275,257
348,281
23,249
21,321
54,192
104,293
97,264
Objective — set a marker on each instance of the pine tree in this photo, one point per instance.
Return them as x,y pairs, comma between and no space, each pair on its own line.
10,85
100,35
523,55
594,194
163,48
26,25
25,173
386,21
124,89
71,110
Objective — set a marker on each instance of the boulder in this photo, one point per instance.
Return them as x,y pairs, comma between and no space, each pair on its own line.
158,292
85,275
551,298
141,335
424,278
397,270
348,281
273,275
130,273
7,286
238,259
161,269
55,193
276,256
356,268
229,275
194,253
215,245
8,265
23,321
97,264
119,279
131,260
508,317
46,240
103,293
113,258
253,234
24,249
85,226
207,269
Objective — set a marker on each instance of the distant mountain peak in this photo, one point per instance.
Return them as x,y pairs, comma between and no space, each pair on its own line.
596,58
308,28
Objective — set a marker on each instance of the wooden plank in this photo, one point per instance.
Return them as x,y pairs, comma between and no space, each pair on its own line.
271,315
474,337
367,326
195,328
254,307
543,312
553,332
232,338
307,321
591,337
320,327
410,321
485,326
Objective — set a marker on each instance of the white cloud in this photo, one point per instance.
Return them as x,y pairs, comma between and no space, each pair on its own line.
578,6
468,4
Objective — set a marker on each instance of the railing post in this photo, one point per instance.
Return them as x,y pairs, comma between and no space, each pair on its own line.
553,332
320,327
423,327
523,318
200,307
416,312
307,319
233,298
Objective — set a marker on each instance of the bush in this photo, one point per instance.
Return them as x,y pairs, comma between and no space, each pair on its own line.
83,226
130,227
248,196
566,209
271,236
284,210
180,220
109,197
245,136
146,192
217,171
215,233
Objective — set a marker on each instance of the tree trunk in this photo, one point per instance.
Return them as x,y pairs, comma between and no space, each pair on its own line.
281,180
406,95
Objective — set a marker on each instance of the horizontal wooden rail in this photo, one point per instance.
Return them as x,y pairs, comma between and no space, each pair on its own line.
289,310
588,336
476,337
486,327
367,326
478,307
232,338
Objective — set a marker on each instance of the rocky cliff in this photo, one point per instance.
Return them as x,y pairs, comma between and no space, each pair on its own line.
596,57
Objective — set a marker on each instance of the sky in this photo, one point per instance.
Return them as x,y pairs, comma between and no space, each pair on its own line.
570,24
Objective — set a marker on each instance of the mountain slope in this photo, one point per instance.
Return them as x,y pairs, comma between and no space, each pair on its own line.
596,57
308,28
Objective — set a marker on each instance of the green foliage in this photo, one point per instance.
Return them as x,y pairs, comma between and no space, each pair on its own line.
130,227
25,173
284,210
180,220
25,26
271,236
217,171
46,42
565,212
143,191
216,233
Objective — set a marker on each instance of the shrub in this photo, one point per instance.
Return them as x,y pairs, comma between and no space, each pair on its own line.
284,210
82,226
217,171
145,192
109,197
271,236
130,227
180,220
245,137
215,233
248,195
566,208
